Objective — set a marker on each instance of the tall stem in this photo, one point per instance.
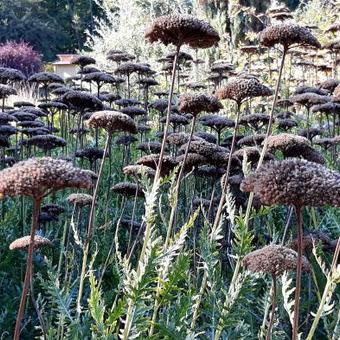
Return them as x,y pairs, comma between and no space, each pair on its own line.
178,184
171,221
326,292
273,298
167,123
298,210
90,225
226,176
29,270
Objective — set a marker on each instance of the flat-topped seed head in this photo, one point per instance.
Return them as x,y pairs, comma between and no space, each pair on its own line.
294,182
112,121
287,34
274,260
36,177
182,29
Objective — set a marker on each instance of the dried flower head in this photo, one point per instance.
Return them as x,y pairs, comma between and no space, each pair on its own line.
112,121
80,199
206,136
197,103
308,99
126,140
53,209
294,182
336,94
83,60
310,240
150,147
45,78
285,123
242,88
293,146
252,153
218,123
37,177
210,171
255,120
134,111
128,189
329,84
10,75
176,119
251,140
45,142
168,163
6,91
182,29
91,153
274,260
81,100
24,242
179,138
192,160
137,171
7,130
287,34
326,143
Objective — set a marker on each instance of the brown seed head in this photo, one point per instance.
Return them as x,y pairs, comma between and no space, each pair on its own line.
128,189
36,177
182,29
287,34
294,146
242,88
24,242
197,103
274,260
294,182
80,199
138,171
112,121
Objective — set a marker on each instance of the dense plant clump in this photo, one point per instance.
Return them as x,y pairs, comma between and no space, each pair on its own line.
177,190
21,57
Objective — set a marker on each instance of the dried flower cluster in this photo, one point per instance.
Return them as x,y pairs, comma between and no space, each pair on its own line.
273,260
294,182
37,177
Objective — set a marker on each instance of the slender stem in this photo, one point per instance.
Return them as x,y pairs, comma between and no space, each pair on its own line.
269,131
131,306
273,298
132,220
226,176
298,210
29,270
90,226
325,294
167,123
36,307
171,222
178,184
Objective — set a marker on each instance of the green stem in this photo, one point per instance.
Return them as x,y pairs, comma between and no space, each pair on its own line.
271,322
325,292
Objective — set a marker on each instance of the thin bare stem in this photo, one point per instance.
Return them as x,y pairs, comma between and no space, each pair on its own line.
178,185
167,123
29,269
298,210
226,176
90,226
